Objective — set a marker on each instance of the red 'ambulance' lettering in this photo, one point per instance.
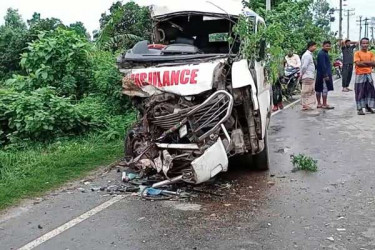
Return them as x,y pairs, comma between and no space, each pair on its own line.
156,79
166,81
169,78
175,76
183,78
142,78
137,82
193,76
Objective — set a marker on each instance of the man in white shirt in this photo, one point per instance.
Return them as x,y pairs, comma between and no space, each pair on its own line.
308,97
292,60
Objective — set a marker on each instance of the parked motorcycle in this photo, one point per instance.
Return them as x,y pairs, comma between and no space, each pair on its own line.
290,81
337,64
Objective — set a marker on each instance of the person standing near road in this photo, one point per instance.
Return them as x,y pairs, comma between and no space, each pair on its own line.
308,97
324,82
364,85
347,70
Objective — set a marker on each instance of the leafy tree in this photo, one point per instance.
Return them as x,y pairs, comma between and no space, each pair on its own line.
38,25
59,59
12,43
107,81
290,25
115,7
320,10
124,26
34,19
14,20
79,28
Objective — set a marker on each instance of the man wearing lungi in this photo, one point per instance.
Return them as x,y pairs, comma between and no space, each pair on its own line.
308,96
324,82
364,85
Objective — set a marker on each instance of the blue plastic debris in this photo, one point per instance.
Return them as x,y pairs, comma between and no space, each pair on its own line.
128,176
153,191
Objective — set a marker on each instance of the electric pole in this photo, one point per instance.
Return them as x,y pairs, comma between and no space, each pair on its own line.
348,15
366,26
360,28
268,4
340,21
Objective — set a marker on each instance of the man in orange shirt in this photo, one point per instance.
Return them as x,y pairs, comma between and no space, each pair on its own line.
364,85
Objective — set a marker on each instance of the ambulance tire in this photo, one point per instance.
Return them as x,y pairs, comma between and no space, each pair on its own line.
261,161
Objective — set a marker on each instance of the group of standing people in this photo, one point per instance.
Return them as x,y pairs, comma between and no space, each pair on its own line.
317,78
315,87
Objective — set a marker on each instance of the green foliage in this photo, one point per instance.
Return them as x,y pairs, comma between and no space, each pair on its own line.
12,43
124,26
107,81
59,59
39,116
321,13
61,108
39,25
14,20
101,118
33,170
290,25
57,84
79,28
303,162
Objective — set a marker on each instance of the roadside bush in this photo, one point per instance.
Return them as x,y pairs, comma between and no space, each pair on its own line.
107,81
60,59
65,86
39,116
95,111
101,119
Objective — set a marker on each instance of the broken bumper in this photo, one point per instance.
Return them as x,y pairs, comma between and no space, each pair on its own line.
191,145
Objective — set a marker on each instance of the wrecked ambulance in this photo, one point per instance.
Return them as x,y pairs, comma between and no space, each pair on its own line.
199,101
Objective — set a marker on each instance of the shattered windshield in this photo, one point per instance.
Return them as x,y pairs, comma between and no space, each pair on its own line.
209,34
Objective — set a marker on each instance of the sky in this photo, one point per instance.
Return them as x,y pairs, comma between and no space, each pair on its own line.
365,8
89,11
69,11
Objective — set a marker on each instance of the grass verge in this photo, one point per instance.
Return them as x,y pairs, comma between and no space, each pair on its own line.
32,171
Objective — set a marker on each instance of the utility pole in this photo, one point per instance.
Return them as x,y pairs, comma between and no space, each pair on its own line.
268,4
360,28
348,15
340,21
366,26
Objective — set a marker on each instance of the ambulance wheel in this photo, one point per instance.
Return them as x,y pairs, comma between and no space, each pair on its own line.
261,161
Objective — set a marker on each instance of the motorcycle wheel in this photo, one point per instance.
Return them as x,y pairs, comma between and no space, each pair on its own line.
292,87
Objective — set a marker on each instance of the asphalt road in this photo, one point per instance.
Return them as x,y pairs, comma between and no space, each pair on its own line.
330,209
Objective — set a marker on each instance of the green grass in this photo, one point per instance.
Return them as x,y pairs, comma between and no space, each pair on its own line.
303,162
36,169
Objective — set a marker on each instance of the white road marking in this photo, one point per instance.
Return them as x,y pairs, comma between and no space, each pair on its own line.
33,244
286,107
295,102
